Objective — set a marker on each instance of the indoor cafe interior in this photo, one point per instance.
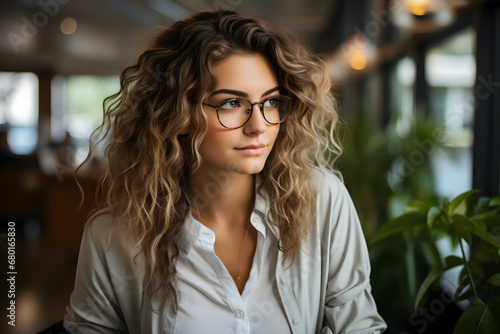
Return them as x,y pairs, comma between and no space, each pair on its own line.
417,89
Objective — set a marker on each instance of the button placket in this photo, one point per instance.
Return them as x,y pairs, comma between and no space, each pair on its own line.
242,321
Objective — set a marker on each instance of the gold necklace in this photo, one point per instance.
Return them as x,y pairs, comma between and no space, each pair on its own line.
243,242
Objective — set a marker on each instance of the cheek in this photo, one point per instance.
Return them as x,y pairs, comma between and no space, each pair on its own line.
273,133
209,144
218,135
214,143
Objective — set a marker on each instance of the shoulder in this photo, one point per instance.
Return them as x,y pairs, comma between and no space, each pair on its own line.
322,176
98,226
100,223
103,234
334,203
327,184
104,240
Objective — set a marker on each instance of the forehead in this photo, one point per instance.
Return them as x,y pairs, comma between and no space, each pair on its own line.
247,73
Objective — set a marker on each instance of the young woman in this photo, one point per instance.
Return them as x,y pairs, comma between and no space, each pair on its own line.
221,215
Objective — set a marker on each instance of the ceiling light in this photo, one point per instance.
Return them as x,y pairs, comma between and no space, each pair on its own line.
422,16
68,26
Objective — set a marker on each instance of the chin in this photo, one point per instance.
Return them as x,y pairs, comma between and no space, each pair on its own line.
248,168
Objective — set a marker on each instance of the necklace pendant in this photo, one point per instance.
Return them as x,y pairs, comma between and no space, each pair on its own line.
238,278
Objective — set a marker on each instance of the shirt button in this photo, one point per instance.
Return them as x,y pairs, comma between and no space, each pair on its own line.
255,219
282,281
240,314
295,322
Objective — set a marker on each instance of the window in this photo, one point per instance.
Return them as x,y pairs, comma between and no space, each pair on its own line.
19,110
402,78
450,74
402,91
84,109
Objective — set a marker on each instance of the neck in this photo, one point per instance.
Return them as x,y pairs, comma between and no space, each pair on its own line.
221,197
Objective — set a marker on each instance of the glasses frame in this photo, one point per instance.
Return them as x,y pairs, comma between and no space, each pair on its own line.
252,104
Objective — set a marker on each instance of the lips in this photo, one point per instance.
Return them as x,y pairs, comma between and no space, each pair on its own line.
252,147
257,149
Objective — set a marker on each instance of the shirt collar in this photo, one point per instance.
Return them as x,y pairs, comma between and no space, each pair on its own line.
190,232
262,206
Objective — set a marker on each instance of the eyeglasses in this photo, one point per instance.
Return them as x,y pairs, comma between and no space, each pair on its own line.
236,112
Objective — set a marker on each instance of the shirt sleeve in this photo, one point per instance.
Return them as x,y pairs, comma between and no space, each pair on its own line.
349,305
93,304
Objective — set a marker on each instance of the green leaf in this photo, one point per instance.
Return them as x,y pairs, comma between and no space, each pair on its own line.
494,307
417,206
446,205
432,215
476,319
476,227
431,277
466,295
399,224
464,290
443,224
486,252
463,279
458,204
462,221
492,215
495,279
483,204
453,261
464,234
495,201
462,226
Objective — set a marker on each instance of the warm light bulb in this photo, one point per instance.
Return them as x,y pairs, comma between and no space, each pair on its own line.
358,61
418,7
68,26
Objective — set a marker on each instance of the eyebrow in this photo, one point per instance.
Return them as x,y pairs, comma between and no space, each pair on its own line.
240,93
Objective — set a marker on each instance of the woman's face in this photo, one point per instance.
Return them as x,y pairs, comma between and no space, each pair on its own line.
243,150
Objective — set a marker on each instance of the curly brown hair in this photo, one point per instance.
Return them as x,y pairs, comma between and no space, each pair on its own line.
154,125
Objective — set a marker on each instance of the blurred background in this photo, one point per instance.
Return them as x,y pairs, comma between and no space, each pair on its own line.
418,85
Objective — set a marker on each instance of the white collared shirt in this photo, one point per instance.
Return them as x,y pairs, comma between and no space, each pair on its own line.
325,290
209,299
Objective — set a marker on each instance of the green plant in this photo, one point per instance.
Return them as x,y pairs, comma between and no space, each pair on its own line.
469,219
378,168
381,174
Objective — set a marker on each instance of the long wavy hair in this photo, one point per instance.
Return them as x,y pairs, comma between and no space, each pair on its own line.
154,125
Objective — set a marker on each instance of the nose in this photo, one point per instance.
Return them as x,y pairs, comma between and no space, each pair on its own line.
256,124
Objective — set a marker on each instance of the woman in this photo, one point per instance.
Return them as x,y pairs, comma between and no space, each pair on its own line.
221,216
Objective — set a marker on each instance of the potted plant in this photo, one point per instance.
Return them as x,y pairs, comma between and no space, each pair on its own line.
467,219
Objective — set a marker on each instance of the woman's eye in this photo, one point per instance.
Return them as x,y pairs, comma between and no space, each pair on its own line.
271,103
230,104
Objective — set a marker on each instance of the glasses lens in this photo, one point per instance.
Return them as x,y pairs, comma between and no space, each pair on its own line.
276,109
234,112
